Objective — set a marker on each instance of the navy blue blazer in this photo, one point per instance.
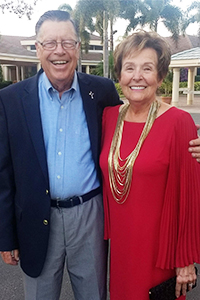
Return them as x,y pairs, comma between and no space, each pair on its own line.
24,182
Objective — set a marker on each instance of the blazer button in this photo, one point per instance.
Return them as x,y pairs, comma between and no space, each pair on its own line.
45,222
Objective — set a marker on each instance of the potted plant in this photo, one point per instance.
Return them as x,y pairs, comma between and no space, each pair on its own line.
166,88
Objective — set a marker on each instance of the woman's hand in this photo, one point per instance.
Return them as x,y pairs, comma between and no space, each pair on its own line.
186,277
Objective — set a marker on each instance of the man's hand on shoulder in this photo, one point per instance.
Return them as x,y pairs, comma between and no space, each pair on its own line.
195,147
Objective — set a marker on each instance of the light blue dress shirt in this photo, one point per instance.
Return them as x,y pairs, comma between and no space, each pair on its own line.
69,157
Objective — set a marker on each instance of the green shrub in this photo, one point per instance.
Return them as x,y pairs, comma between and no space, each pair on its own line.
185,85
1,74
119,90
98,70
197,86
161,89
4,84
166,86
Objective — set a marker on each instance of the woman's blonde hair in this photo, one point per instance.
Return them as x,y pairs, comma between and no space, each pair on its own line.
141,40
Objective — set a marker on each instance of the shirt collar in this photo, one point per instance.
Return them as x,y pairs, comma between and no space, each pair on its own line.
48,86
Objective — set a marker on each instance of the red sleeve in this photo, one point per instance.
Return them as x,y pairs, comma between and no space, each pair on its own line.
179,241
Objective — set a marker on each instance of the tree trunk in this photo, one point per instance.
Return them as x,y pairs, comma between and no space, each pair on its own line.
111,35
105,45
79,67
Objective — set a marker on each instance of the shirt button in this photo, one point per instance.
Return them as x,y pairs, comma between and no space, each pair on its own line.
62,107
61,130
59,153
58,176
47,192
45,222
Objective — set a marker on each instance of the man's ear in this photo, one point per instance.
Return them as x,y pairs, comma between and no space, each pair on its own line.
78,50
37,49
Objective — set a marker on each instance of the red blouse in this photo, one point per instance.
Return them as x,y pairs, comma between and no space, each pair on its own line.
158,227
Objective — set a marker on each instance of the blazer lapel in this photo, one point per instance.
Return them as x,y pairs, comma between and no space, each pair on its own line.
89,94
33,118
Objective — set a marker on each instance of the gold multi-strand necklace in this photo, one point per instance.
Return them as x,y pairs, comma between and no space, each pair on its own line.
120,175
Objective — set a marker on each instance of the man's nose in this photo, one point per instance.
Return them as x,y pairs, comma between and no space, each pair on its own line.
59,48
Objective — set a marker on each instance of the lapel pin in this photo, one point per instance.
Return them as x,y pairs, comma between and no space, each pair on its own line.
91,94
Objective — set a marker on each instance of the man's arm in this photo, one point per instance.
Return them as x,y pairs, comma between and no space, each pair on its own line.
8,235
195,147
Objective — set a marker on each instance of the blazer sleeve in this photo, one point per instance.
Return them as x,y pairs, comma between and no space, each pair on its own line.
8,236
179,241
112,99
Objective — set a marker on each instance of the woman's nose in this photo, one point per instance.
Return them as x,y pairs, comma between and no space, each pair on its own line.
137,74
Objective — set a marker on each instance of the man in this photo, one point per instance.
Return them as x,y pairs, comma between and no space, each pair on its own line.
50,198
50,129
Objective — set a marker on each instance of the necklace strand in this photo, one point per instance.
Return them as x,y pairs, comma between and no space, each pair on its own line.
120,176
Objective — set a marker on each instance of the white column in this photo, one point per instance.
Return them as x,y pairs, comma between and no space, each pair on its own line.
5,72
9,74
88,69
190,95
17,74
22,73
175,86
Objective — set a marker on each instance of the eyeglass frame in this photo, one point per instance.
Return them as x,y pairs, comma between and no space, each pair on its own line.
43,44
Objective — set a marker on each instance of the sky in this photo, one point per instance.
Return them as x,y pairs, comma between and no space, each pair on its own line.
11,24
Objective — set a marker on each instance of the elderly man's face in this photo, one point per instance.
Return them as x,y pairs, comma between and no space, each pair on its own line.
58,64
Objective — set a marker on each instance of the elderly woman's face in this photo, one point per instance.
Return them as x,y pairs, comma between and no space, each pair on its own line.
139,76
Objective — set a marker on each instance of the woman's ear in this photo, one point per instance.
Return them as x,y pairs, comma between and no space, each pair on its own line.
160,82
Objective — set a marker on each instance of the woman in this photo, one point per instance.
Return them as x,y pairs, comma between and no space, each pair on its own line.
151,183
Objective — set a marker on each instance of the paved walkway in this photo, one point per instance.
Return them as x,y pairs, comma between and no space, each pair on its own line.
194,108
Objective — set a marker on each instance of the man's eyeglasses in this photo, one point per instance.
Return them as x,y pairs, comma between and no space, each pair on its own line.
52,45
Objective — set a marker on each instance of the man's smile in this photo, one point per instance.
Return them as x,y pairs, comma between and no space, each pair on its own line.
59,62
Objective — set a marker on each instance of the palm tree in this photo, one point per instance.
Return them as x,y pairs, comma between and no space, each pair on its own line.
81,26
103,11
129,11
100,71
151,12
195,6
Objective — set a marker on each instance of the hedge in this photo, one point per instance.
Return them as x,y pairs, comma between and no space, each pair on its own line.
4,84
119,90
196,85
